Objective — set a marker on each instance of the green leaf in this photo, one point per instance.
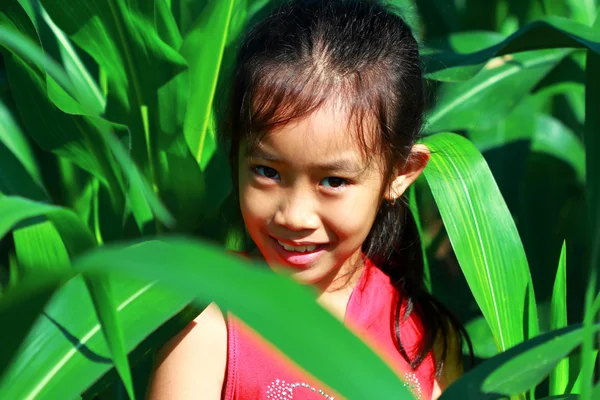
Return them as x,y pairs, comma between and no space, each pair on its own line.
19,308
559,378
100,289
487,98
575,387
38,247
303,329
545,33
592,148
69,136
464,42
483,234
484,344
59,47
203,49
586,380
74,233
66,352
19,172
554,138
518,369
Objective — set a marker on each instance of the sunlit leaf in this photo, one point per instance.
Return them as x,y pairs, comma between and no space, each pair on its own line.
482,232
242,290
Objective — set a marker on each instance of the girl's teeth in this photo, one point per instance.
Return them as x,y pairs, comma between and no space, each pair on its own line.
299,249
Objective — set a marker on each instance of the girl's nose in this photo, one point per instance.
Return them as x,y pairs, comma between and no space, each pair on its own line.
297,213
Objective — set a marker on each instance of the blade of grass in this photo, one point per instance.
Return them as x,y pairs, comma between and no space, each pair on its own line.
559,377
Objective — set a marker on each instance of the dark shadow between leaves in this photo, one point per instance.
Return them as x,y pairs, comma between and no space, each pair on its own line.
80,347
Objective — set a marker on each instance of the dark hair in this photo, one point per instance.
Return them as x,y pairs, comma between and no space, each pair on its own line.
305,53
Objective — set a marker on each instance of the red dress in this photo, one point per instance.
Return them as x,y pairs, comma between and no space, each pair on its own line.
256,370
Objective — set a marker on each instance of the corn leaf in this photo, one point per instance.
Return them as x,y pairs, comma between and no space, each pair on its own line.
559,378
518,369
31,250
73,232
546,33
203,49
244,289
586,379
463,42
38,246
124,41
19,308
487,98
65,352
59,47
483,235
592,147
554,138
575,384
19,172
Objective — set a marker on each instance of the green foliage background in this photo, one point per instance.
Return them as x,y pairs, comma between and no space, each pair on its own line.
115,201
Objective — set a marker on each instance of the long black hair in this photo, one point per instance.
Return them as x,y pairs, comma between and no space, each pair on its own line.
300,56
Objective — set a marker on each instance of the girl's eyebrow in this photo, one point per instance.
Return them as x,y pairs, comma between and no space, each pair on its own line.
342,164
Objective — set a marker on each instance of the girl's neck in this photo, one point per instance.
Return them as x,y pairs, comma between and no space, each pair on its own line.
334,292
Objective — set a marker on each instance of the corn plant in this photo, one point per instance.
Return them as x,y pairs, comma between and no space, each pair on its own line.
115,206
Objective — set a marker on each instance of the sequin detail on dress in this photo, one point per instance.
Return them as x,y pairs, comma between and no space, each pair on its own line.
280,390
412,382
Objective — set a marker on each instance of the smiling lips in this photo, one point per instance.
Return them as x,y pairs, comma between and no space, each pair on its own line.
298,256
298,249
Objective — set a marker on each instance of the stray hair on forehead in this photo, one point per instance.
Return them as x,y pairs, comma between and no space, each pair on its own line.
361,55
273,107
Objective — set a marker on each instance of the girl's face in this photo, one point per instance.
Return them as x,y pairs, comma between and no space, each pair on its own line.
309,197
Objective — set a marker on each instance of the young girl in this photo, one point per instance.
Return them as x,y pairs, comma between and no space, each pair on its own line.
326,105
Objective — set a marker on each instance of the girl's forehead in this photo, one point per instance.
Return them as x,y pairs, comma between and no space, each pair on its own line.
331,129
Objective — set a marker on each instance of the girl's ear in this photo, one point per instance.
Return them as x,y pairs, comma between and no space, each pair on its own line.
408,173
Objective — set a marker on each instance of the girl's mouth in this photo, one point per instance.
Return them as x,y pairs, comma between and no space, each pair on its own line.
298,256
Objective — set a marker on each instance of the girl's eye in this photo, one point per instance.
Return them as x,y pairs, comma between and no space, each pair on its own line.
334,182
267,172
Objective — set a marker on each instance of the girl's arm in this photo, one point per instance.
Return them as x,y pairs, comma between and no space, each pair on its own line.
192,364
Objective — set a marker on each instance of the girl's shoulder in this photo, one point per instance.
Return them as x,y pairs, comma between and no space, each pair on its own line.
194,361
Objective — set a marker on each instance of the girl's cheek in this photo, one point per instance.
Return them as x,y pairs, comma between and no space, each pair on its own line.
256,205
